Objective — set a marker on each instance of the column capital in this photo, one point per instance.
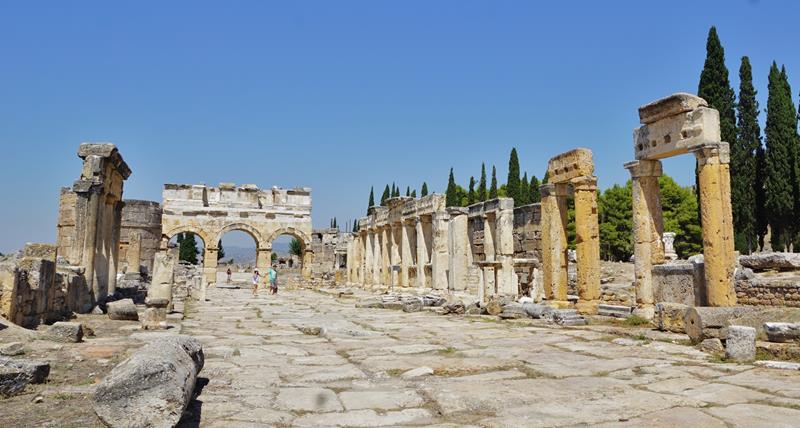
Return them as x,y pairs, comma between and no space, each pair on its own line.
644,168
585,183
712,153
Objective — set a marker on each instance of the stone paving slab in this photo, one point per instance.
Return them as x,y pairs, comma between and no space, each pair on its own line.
306,359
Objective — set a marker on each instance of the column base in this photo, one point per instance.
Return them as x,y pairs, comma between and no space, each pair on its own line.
587,307
558,304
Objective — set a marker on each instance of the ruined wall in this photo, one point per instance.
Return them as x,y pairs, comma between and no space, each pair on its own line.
768,293
141,220
528,248
90,217
33,290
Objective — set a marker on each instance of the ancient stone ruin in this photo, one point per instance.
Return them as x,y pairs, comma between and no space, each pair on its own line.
210,212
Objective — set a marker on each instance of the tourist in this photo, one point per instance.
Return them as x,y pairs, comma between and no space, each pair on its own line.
229,275
273,279
255,282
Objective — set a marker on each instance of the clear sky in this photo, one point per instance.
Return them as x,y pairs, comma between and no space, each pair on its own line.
342,95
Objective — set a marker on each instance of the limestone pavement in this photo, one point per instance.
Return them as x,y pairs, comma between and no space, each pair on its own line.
303,358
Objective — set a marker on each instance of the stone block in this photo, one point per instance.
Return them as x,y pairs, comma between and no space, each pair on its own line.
740,344
15,374
12,349
671,105
68,332
674,135
122,310
771,261
154,318
616,311
678,283
153,387
782,331
670,317
712,346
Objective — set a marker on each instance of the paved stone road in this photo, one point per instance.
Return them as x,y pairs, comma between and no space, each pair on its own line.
307,359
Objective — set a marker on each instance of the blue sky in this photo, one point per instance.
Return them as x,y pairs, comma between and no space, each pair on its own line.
339,96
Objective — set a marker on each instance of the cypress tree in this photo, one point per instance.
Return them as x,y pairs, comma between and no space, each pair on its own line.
493,188
424,191
355,226
408,190
451,195
536,196
371,197
187,249
780,140
512,183
744,164
220,250
387,193
414,193
335,225
471,192
481,196
524,190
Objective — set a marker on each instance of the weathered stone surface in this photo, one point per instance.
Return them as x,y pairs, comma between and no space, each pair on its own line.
455,307
781,365
412,305
384,400
615,311
62,331
122,310
755,415
12,349
712,346
678,283
152,387
740,344
417,372
671,316
308,400
154,319
704,322
782,331
767,261
494,306
671,105
537,311
513,311
16,373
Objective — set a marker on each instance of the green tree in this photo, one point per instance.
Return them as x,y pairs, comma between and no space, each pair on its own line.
371,197
679,207
761,195
744,164
187,248
296,247
780,133
424,191
387,193
536,195
220,251
273,257
524,190
616,223
512,183
471,192
546,177
335,225
481,196
414,193
451,195
408,191
493,188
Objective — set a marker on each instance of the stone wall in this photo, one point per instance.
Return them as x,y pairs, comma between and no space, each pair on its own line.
141,221
34,290
528,248
765,292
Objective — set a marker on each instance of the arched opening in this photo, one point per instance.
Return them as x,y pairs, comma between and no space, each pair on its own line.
237,253
291,256
191,247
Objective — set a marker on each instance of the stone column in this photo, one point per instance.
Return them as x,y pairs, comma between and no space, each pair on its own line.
439,256
386,274
504,248
554,242
458,248
263,257
395,234
133,253
406,257
308,259
422,253
717,221
210,264
368,249
587,245
647,229
488,237
669,246
377,257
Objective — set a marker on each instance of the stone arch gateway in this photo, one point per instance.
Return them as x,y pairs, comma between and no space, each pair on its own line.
210,212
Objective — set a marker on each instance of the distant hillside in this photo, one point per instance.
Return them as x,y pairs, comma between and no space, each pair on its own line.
247,255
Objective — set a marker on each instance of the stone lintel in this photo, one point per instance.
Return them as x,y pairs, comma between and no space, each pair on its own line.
675,135
644,168
671,105
584,183
569,165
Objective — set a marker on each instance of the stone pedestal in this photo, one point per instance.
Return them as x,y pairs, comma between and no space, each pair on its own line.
669,246
155,316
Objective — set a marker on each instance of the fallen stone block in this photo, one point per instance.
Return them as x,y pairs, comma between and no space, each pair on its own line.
781,365
614,311
435,301
454,307
153,387
12,349
417,372
67,332
782,331
537,311
740,344
494,306
370,303
712,346
703,322
412,305
671,317
513,311
768,261
122,310
15,374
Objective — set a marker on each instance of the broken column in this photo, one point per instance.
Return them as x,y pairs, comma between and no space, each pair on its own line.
554,241
669,246
587,243
90,216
